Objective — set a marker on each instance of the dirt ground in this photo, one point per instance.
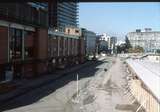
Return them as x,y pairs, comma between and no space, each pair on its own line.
106,92
101,89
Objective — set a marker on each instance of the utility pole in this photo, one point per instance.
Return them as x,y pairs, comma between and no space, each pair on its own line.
77,87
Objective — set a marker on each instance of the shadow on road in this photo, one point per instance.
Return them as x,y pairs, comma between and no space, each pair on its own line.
37,94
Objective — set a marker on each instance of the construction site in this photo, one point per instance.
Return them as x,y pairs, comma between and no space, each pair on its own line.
48,63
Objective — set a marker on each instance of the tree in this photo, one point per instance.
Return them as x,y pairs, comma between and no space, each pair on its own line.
127,43
139,49
158,51
126,47
121,48
136,49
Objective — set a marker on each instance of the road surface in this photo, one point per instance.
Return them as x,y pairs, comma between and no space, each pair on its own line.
100,89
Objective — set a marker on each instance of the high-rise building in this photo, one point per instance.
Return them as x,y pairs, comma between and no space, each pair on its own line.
63,14
149,40
112,43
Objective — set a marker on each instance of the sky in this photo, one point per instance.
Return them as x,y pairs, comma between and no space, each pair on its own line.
117,19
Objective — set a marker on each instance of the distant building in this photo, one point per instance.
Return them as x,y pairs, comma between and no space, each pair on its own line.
102,43
90,41
107,42
149,40
103,46
104,37
120,42
112,44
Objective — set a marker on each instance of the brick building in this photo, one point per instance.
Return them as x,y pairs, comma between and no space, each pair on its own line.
66,45
24,32
65,49
31,46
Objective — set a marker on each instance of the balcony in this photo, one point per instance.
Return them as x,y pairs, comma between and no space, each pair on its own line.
23,13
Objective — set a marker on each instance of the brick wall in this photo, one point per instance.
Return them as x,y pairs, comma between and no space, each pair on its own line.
41,50
29,40
81,50
41,43
28,70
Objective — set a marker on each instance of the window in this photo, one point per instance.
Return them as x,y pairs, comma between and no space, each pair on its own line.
68,31
77,31
15,43
28,44
28,52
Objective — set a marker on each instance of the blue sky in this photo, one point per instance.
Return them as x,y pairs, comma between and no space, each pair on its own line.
117,19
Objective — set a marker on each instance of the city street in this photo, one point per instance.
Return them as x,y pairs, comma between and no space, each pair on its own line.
100,90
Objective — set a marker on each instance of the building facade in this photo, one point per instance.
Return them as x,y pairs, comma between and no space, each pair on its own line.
90,41
112,44
149,40
65,49
24,34
102,44
66,46
63,14
30,45
108,43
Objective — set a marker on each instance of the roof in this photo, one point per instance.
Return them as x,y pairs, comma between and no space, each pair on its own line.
143,32
149,73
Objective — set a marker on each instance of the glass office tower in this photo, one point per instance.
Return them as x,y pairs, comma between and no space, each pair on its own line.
63,14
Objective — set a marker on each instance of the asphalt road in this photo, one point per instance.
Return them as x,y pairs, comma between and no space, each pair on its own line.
56,96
